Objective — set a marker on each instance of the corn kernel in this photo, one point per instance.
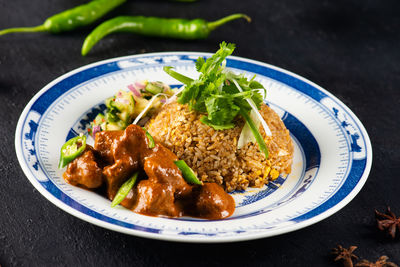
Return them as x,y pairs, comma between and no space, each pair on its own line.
266,172
274,174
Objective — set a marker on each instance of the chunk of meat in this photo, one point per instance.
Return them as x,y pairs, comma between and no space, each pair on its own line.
156,199
84,170
164,193
102,144
130,199
160,168
212,202
126,150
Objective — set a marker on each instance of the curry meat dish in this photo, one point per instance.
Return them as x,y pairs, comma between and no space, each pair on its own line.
161,190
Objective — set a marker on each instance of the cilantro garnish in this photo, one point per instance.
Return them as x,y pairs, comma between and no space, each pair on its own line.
222,94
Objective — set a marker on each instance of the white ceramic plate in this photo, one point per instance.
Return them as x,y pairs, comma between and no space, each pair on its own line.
331,163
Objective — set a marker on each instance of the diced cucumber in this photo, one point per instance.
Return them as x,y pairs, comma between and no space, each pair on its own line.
141,103
120,107
114,126
99,119
112,116
156,87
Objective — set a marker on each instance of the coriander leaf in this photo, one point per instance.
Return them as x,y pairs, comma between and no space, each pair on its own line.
199,63
213,63
223,94
246,85
190,92
216,127
221,111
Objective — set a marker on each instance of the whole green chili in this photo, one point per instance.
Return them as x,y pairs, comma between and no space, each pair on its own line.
154,26
72,18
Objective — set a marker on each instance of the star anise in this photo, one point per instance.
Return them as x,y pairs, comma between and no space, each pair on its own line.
345,255
381,262
388,221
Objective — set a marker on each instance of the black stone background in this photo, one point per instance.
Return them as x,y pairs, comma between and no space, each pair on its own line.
351,48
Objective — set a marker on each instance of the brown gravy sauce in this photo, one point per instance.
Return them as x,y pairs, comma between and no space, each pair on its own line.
118,154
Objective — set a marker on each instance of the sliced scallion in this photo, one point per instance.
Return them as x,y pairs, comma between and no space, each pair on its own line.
187,172
152,144
256,133
124,190
180,77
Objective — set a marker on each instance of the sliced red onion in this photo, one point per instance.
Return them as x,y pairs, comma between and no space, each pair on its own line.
123,101
134,90
95,129
140,85
163,100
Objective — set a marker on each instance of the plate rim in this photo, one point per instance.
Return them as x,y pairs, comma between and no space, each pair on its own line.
183,238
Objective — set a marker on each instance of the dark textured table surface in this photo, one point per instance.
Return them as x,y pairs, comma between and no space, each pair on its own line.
351,48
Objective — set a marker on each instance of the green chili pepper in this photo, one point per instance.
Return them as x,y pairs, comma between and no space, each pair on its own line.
187,172
124,190
72,149
152,144
154,26
72,18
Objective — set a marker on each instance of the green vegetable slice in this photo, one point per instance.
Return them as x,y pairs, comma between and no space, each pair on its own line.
152,144
187,172
72,149
256,133
180,77
124,190
155,87
246,135
208,122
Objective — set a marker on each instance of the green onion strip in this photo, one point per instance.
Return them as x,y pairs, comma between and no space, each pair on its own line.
256,133
152,144
253,106
124,190
182,78
253,127
187,172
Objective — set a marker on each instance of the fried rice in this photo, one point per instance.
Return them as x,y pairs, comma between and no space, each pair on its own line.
213,154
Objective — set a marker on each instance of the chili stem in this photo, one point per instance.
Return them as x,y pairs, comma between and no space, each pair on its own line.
40,28
215,24
256,132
